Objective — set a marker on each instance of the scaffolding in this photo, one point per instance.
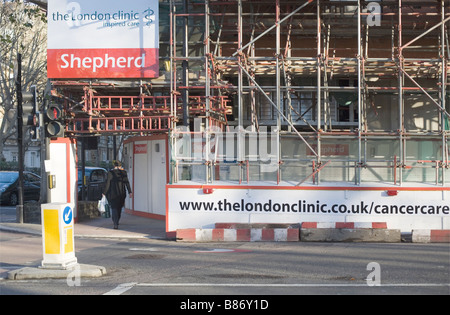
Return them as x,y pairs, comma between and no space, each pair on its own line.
346,91
292,92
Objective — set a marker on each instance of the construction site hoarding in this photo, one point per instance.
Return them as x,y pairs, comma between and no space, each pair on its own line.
103,39
403,208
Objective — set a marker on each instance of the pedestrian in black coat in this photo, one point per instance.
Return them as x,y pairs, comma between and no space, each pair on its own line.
115,191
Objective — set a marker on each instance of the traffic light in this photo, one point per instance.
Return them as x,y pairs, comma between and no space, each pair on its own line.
54,121
29,107
30,112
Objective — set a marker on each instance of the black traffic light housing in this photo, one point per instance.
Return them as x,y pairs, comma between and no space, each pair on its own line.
54,120
30,112
29,107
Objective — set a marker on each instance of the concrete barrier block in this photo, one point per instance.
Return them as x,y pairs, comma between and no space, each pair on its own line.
238,235
431,236
349,235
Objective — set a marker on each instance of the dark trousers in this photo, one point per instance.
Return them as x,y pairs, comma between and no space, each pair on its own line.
115,214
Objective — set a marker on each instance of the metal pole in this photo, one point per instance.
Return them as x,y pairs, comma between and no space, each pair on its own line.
171,60
83,167
240,76
19,207
114,147
173,65
43,145
319,83
278,53
240,143
319,56
443,91
185,64
359,95
207,62
278,79
208,165
400,93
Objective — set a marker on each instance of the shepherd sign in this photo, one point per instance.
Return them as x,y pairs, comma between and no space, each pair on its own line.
103,39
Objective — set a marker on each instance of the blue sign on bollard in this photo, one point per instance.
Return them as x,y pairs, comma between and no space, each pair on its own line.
67,215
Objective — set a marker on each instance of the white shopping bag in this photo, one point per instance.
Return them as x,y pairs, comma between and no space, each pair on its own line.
102,204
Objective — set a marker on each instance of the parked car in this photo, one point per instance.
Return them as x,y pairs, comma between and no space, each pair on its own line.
9,182
94,184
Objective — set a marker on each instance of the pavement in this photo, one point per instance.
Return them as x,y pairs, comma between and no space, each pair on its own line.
130,227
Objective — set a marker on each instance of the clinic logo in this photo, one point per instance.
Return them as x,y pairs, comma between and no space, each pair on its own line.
74,16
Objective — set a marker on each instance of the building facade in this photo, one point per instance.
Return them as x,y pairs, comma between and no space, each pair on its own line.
305,96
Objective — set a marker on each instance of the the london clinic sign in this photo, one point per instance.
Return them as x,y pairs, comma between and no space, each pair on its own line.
103,39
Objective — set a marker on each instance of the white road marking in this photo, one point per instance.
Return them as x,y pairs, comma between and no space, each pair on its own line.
121,288
288,285
144,249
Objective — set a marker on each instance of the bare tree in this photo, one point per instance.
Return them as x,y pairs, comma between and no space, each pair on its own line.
23,29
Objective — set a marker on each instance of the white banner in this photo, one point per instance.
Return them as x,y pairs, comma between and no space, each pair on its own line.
404,209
